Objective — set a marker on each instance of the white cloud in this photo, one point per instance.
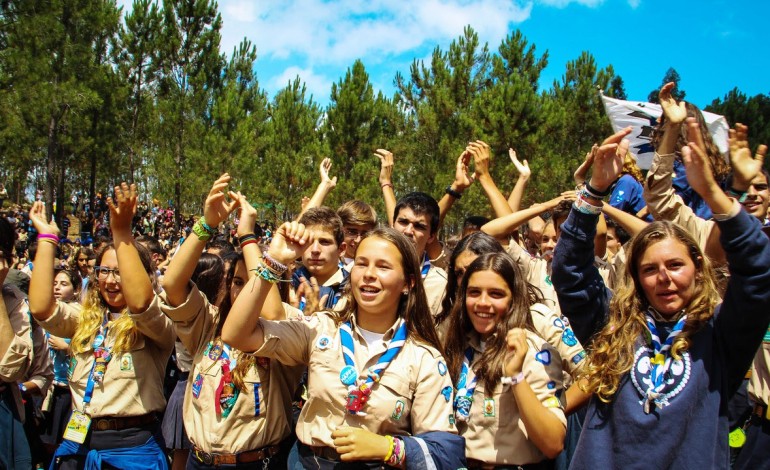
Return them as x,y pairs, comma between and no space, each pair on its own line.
634,3
566,3
316,84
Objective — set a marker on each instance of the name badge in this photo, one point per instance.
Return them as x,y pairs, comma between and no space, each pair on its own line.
77,427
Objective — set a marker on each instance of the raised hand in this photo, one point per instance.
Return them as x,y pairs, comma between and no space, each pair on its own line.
289,242
326,165
312,293
359,444
248,217
745,166
463,177
480,152
696,162
386,165
675,112
580,174
521,166
608,161
516,340
38,217
217,208
122,208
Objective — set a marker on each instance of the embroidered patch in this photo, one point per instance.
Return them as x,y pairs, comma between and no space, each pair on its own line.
126,362
323,342
447,392
675,379
197,385
451,419
441,368
544,357
489,407
552,402
398,411
568,337
737,438
71,369
551,385
578,357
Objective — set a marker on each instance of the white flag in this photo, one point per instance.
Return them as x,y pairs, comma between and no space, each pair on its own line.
643,118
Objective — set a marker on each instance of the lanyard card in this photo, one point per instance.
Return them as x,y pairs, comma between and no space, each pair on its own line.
77,427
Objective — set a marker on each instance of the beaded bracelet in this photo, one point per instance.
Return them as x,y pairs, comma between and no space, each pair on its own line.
516,379
268,275
274,265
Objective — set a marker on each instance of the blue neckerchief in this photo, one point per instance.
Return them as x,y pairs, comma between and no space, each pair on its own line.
661,358
465,388
425,265
375,372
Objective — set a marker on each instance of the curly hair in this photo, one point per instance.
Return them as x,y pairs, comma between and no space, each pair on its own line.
95,308
490,367
611,354
631,168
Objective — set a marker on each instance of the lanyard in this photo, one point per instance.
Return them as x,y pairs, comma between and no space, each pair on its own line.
661,360
101,355
425,265
359,390
465,388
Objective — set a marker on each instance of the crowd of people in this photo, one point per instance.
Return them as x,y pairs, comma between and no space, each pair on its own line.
624,323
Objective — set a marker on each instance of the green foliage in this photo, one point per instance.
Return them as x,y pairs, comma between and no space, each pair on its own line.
671,76
754,112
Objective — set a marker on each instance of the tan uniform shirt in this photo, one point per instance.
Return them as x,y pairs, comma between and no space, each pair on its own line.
407,400
665,204
537,272
41,370
759,385
133,381
15,363
555,329
435,286
273,383
494,432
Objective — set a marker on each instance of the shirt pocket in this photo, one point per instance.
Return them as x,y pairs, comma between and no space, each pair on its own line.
391,400
255,386
125,364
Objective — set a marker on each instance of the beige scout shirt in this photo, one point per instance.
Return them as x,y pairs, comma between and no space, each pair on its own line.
407,400
494,432
759,385
555,329
537,272
243,429
41,370
133,381
435,286
665,204
16,361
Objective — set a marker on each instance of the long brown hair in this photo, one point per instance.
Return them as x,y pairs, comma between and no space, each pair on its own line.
413,306
611,354
490,366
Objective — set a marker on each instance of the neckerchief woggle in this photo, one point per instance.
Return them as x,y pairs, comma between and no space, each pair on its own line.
661,360
465,388
425,265
359,389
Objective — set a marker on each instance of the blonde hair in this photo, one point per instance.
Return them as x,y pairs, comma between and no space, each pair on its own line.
611,354
631,168
92,315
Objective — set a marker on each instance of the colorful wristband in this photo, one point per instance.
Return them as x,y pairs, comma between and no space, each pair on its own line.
48,237
516,379
248,242
595,192
206,226
200,232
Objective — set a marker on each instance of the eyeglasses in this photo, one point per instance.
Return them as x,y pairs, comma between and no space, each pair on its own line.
355,233
104,273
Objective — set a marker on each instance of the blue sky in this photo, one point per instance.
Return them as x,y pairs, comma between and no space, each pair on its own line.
715,45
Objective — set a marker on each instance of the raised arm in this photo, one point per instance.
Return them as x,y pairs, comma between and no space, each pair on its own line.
481,158
583,297
386,182
242,328
42,302
504,226
176,281
324,187
581,173
514,200
137,287
630,223
461,182
745,311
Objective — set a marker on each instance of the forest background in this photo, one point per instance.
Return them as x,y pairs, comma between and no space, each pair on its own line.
89,98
